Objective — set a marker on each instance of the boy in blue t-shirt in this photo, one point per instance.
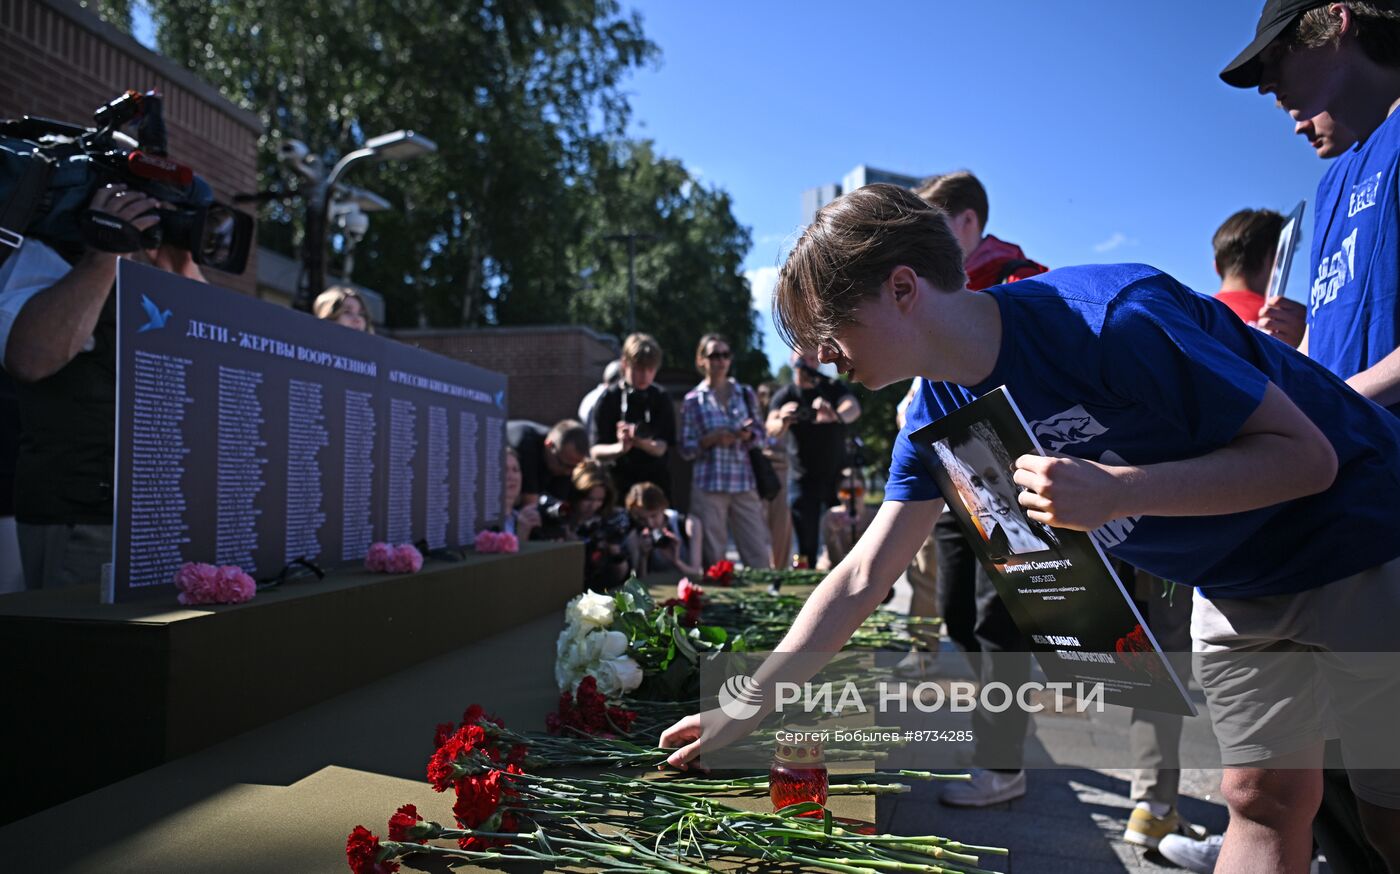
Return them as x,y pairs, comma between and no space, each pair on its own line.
1171,420
1343,59
1352,307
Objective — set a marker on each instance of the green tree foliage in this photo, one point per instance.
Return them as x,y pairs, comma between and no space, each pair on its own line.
115,12
689,278
505,224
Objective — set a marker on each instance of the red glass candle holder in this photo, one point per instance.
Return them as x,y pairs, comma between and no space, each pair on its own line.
798,775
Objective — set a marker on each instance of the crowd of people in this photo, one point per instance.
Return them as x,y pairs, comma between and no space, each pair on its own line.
1246,447
762,463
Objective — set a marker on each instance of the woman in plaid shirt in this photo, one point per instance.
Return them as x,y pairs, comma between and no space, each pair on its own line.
719,423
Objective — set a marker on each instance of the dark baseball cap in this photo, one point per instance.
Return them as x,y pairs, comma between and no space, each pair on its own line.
1243,71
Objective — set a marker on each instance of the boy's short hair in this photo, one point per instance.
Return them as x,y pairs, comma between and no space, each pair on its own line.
570,433
848,251
641,350
1246,241
1377,29
955,192
646,497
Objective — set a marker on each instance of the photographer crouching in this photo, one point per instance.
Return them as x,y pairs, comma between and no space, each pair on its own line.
590,514
76,200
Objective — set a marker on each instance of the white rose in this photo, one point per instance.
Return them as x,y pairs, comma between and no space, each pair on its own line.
608,681
614,645
629,673
617,676
592,609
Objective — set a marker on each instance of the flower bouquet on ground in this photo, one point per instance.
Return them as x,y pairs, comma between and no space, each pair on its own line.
594,734
505,814
634,646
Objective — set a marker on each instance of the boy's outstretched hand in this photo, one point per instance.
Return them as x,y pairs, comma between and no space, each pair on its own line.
704,732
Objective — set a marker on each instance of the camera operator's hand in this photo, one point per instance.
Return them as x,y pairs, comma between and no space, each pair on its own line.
826,413
789,412
133,207
173,259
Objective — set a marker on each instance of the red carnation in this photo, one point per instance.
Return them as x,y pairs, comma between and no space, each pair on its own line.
475,713
622,719
443,766
442,732
362,851
721,573
403,825
480,798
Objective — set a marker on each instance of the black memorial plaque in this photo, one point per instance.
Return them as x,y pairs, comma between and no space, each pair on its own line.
254,435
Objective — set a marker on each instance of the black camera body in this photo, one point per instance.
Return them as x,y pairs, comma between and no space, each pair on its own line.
59,166
606,530
554,511
805,416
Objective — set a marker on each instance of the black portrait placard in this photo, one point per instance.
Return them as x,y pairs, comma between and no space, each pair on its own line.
1056,583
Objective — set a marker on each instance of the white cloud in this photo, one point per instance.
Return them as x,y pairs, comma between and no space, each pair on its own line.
1116,241
761,282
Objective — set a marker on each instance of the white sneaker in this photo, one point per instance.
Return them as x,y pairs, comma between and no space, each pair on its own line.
985,789
917,664
1191,854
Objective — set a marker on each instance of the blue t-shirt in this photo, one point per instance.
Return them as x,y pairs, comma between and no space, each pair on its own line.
1352,318
1121,364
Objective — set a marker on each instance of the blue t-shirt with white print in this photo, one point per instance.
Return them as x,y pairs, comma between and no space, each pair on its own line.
1353,321
1121,364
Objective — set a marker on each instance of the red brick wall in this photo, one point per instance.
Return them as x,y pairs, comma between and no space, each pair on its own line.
60,61
550,368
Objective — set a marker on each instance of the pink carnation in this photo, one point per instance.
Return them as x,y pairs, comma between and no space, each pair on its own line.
196,582
494,541
407,560
686,590
200,583
234,586
378,557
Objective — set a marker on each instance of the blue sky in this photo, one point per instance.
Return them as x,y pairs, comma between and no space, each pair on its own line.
1100,129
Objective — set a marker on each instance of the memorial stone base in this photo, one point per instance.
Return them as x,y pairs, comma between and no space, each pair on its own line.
100,692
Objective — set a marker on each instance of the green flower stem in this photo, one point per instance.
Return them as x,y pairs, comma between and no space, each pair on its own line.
763,786
600,849
826,865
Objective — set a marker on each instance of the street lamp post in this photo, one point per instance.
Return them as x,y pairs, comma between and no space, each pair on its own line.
631,237
399,145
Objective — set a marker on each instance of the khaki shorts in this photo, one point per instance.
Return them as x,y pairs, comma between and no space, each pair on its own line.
1282,673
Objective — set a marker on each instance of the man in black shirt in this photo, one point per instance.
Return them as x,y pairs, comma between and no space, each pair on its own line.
634,423
813,411
547,457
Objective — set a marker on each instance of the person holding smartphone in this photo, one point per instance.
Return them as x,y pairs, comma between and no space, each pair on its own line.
718,425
